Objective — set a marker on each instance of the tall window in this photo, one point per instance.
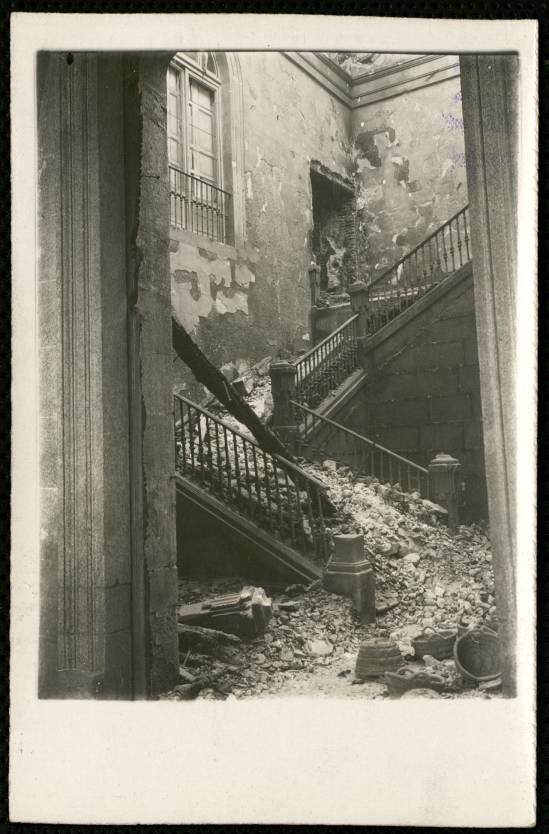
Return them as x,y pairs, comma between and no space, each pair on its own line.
198,202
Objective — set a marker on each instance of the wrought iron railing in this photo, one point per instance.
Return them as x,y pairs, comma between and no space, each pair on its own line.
439,255
328,364
320,436
198,206
277,495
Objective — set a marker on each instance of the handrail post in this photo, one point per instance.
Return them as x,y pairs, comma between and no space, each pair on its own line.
283,386
443,485
314,287
359,296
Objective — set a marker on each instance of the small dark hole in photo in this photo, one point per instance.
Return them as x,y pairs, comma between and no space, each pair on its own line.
70,58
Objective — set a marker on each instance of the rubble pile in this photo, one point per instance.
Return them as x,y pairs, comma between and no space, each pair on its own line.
429,575
425,576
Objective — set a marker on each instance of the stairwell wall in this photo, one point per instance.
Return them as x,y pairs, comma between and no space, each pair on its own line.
421,395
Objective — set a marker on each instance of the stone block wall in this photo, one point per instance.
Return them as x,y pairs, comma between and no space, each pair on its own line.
422,395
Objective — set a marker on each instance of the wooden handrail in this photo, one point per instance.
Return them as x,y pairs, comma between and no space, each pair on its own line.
317,348
361,438
417,248
283,462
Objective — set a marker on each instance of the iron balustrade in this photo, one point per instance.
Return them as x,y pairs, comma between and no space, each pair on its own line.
328,364
439,255
198,206
320,435
276,494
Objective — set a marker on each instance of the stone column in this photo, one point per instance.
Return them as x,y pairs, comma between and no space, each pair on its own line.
489,93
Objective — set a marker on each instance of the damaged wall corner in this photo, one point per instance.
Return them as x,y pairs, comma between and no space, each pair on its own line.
155,582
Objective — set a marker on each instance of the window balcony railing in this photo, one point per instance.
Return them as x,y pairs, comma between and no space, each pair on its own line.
198,206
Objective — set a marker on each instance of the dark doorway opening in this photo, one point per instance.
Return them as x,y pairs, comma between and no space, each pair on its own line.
333,236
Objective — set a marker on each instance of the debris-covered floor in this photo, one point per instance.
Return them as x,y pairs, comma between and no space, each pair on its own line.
430,576
425,576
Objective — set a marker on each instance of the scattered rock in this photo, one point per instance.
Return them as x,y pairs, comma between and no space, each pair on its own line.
320,648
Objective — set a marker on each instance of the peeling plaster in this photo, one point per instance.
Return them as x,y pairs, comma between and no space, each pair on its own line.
204,283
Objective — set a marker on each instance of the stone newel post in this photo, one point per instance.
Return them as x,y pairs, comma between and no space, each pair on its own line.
283,377
350,574
358,293
443,472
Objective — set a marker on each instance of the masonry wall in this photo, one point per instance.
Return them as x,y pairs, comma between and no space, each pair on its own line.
421,391
409,159
422,395
244,301
108,580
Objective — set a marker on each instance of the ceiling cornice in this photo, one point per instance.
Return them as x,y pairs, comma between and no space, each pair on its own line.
371,88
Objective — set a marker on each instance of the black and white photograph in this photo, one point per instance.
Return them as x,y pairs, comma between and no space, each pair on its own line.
278,307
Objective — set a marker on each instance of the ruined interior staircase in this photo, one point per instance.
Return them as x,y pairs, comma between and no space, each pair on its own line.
329,376
240,509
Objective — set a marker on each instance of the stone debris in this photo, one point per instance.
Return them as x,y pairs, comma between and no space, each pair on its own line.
424,576
246,613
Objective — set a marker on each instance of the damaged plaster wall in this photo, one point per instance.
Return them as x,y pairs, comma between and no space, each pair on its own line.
152,308
246,300
409,157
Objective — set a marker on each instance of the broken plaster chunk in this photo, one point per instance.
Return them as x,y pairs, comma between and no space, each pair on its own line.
320,648
329,465
434,508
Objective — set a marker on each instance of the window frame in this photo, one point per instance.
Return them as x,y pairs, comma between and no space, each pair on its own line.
187,69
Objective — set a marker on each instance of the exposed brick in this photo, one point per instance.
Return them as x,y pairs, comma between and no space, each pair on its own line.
441,437
450,409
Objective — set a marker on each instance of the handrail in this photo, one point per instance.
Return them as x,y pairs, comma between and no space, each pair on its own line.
361,437
437,257
283,461
325,366
275,493
417,248
349,445
325,340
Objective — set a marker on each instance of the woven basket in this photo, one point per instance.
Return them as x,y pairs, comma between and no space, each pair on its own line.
438,644
377,656
477,655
